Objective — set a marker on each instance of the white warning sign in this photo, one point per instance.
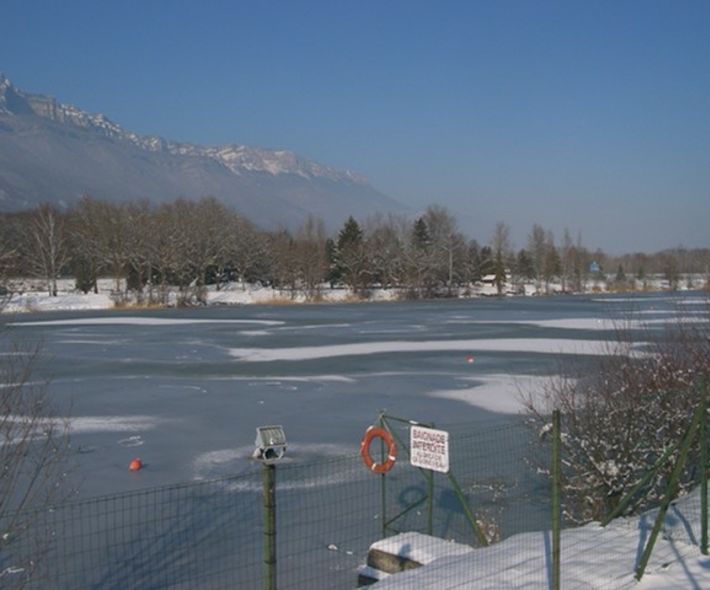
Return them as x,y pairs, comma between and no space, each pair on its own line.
429,448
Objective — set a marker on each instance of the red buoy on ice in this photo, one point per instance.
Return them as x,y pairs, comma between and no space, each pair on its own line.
135,465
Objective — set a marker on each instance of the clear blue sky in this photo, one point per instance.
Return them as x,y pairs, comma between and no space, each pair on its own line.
586,114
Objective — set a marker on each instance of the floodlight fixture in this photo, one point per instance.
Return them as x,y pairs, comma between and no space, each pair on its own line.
270,444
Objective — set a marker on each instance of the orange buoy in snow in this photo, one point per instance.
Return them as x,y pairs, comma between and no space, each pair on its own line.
135,465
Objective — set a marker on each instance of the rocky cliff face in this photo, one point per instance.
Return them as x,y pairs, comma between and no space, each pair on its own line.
49,149
238,158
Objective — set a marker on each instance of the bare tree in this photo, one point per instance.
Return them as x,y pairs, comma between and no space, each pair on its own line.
567,261
670,269
10,243
113,233
284,271
419,260
248,254
537,247
500,243
310,255
140,225
551,266
580,263
86,242
386,239
206,231
48,249
101,238
447,245
162,251
181,242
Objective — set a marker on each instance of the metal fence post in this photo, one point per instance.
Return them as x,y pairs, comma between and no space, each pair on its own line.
269,483
670,492
430,502
627,500
383,478
703,466
556,500
480,537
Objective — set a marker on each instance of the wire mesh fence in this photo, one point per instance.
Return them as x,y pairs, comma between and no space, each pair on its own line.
183,536
210,534
494,466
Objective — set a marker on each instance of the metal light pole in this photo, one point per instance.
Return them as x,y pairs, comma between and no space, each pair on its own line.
270,448
268,473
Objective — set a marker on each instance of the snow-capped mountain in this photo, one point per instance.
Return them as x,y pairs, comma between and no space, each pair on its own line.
51,151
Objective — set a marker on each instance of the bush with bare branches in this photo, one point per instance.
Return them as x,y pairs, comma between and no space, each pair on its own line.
33,453
621,417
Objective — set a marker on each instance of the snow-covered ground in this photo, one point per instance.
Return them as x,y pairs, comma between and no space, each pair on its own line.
30,295
592,557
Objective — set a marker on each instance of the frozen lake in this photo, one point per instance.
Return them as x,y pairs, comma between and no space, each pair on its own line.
184,389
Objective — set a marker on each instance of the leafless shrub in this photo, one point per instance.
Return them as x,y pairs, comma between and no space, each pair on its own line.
620,418
33,452
489,524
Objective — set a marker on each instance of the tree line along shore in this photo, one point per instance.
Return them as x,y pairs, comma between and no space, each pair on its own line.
182,252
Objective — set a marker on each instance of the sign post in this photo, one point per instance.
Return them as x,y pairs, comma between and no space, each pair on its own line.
429,449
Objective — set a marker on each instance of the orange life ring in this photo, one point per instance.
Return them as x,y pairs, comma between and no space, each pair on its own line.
370,434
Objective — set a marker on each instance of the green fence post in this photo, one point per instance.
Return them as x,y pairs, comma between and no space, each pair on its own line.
430,498
556,501
430,502
429,476
268,473
467,510
621,506
670,492
703,467
383,478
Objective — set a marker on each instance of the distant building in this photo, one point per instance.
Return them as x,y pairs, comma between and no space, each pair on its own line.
594,267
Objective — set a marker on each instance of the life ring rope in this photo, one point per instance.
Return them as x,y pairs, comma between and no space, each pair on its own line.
371,434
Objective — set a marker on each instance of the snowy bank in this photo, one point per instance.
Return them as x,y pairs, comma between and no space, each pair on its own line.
592,557
32,296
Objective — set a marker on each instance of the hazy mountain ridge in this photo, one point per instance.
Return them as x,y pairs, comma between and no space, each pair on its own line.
58,152
238,158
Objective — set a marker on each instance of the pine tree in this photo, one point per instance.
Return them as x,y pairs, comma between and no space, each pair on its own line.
620,275
420,235
524,265
351,261
474,272
487,265
350,235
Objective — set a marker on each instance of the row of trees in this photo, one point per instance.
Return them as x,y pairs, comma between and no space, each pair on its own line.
189,244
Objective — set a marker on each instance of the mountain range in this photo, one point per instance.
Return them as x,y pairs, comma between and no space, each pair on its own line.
54,152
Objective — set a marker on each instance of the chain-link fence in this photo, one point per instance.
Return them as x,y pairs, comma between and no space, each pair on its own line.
210,534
